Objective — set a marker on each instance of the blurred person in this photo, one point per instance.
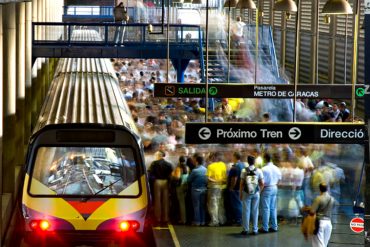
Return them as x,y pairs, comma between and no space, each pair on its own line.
266,117
216,174
226,107
233,185
198,184
251,183
305,163
238,31
336,112
160,171
271,176
344,112
322,207
180,175
120,17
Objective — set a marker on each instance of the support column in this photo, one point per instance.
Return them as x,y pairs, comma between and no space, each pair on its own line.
35,82
314,41
21,71
180,65
283,41
9,56
1,120
332,32
28,72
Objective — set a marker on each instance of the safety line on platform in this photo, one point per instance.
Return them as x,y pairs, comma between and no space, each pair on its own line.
173,235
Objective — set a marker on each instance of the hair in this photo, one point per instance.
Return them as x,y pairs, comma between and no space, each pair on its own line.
251,160
237,155
266,115
182,159
199,159
217,156
163,154
238,18
323,187
267,157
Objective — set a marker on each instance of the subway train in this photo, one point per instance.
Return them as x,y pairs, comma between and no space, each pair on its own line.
85,175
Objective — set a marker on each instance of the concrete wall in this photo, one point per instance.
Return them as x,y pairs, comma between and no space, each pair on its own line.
22,90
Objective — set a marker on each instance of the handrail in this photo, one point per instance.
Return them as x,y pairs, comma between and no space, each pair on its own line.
106,24
179,31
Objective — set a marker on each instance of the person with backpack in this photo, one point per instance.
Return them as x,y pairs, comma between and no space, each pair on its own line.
251,183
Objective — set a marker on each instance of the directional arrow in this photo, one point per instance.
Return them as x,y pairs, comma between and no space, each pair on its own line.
294,133
204,133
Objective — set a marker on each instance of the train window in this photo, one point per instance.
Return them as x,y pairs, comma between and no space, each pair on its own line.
85,171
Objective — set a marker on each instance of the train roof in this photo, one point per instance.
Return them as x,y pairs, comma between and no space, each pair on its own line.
85,90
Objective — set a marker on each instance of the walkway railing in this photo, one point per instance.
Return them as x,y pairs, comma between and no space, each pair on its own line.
56,33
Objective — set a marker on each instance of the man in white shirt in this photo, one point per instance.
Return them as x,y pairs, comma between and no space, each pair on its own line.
271,176
237,30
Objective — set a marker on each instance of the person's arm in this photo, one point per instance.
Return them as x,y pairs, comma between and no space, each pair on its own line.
315,206
233,182
241,188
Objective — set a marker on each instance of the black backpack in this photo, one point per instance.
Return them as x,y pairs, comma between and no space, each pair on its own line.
251,181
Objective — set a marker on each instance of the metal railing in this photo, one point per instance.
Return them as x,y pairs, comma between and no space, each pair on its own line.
62,34
96,11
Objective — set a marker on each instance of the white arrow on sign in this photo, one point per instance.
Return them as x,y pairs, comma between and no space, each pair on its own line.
204,133
294,133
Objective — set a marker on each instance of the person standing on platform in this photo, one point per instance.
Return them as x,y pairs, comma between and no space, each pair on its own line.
233,184
271,176
323,206
180,176
120,17
160,172
216,174
198,183
251,183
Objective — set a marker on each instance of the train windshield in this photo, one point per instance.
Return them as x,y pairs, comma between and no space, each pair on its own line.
85,171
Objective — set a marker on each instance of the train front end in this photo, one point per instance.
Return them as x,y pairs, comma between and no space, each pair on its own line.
85,183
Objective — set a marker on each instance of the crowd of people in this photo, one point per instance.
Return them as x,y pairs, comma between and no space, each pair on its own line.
224,184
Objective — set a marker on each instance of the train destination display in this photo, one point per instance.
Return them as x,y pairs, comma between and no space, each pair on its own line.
203,133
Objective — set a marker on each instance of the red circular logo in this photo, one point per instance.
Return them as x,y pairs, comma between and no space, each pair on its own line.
357,225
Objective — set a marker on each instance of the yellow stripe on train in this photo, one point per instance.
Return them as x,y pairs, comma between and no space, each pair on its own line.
58,207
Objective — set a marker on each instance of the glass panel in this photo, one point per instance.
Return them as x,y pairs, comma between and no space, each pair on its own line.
84,171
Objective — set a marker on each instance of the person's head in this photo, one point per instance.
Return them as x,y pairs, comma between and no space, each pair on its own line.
238,18
267,157
251,160
159,155
323,187
266,117
224,101
182,159
335,107
217,156
342,106
236,156
199,160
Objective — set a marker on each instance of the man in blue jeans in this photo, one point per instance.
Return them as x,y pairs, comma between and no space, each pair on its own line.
251,183
198,182
233,184
272,176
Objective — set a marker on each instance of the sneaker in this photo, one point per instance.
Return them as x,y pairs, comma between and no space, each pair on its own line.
254,233
272,230
244,233
261,230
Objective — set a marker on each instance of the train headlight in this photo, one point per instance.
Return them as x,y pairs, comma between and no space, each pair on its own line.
135,225
124,226
42,225
129,225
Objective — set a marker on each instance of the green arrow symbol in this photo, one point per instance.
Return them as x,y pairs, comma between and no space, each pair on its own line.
360,92
213,91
